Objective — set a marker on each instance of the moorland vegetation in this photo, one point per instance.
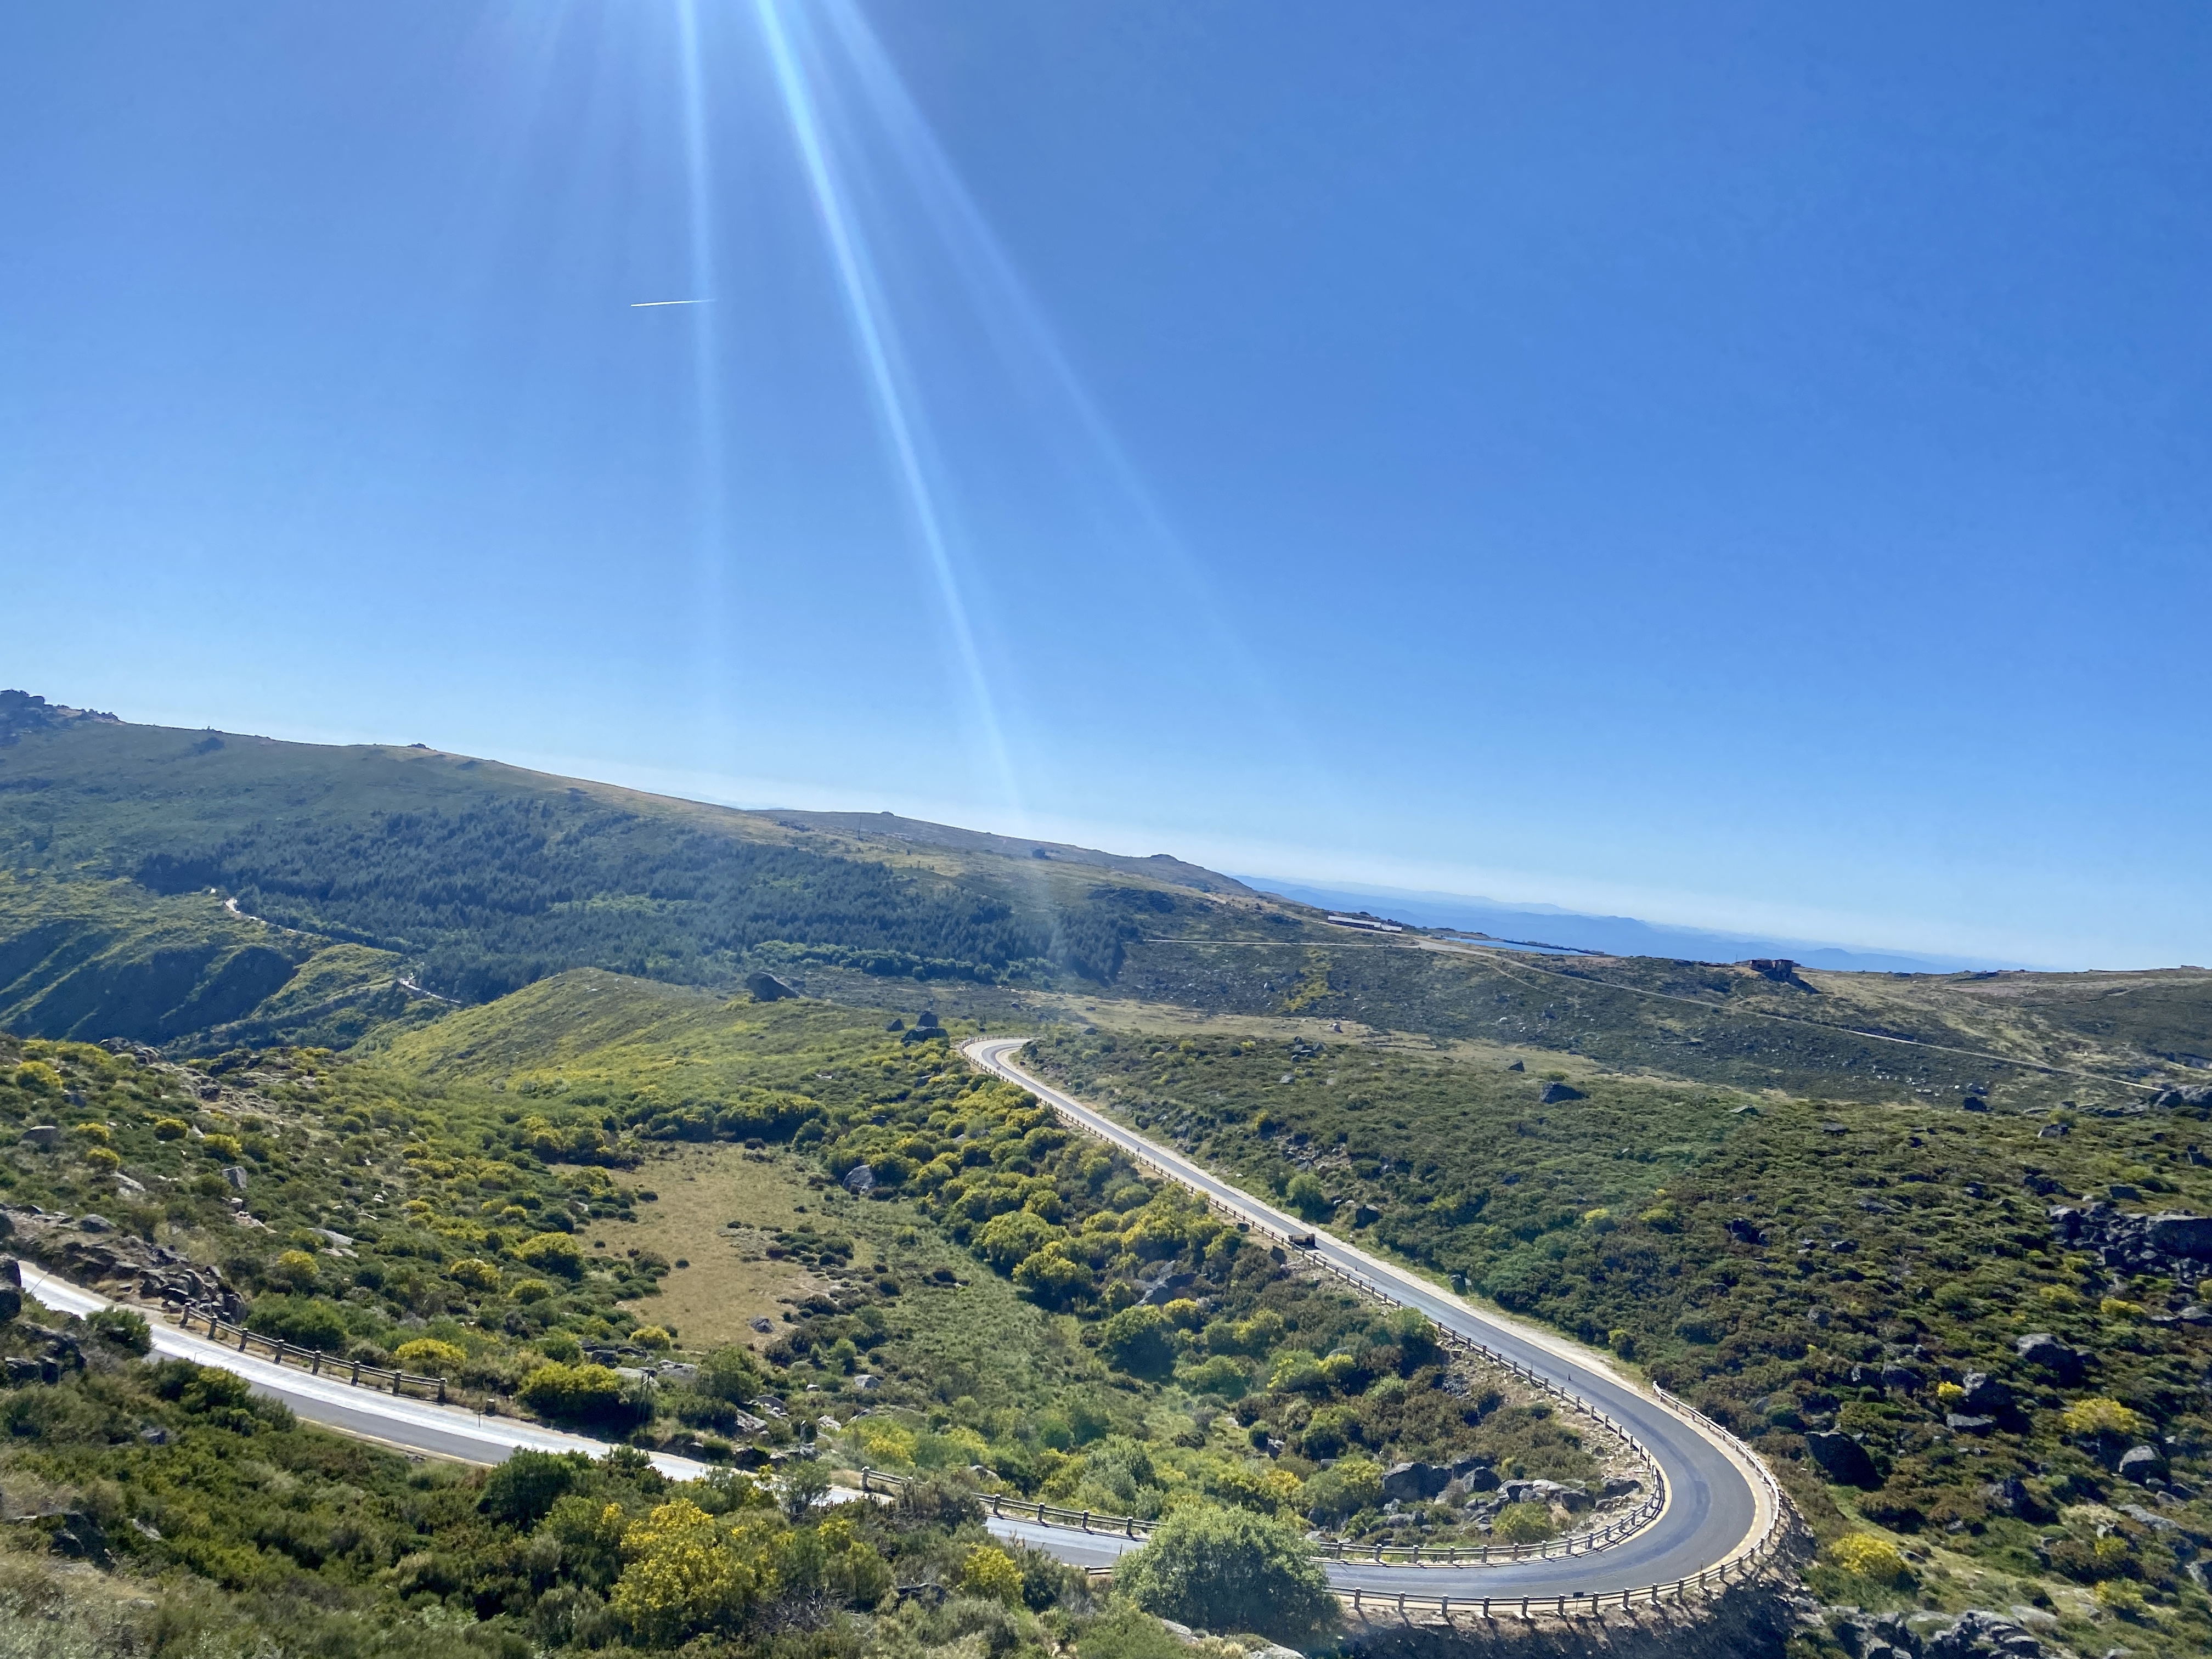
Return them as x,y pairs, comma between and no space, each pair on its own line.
1126,1350
1935,1321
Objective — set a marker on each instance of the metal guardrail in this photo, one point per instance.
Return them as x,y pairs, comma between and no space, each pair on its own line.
1004,1508
318,1363
1099,1524
1737,1570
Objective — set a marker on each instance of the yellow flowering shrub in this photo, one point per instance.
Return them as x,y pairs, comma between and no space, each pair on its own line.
1869,1557
472,1274
2088,1418
884,1443
991,1573
427,1357
685,1574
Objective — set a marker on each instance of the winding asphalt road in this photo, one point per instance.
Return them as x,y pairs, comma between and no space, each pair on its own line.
1715,1509
405,1424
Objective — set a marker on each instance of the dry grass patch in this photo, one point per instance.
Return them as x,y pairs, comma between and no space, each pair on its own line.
732,1281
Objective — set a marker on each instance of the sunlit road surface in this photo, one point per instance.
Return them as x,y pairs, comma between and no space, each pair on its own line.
406,1425
1715,1507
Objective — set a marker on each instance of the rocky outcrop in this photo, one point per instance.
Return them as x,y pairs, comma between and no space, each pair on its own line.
1973,1635
1566,1495
1414,1482
1985,1395
2173,1233
87,1250
58,1352
2173,1243
1988,1404
2141,1463
766,988
1842,1459
2046,1353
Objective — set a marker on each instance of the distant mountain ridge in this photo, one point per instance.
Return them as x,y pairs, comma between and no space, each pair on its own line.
1548,924
1159,867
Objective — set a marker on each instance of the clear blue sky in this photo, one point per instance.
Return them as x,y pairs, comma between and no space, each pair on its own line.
1729,465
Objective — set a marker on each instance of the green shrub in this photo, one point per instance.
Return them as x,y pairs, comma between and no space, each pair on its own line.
1343,1490
1225,1569
1295,1370
1219,1375
553,1253
473,1275
223,1397
1054,1277
1128,1632
1524,1523
1006,1241
301,1321
591,1395
1304,1194
731,1374
522,1491
124,1328
1136,1340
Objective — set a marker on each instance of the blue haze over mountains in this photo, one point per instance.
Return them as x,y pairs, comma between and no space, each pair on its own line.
1547,923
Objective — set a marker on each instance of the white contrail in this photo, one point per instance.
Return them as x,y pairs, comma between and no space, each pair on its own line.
641,305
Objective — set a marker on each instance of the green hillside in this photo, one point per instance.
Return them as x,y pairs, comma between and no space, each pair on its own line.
472,878
2016,1038
368,883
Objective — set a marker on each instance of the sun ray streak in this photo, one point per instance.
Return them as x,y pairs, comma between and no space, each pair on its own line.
873,334
1031,347
712,507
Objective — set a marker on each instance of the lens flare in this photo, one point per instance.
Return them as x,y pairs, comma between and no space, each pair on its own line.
711,551
874,335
